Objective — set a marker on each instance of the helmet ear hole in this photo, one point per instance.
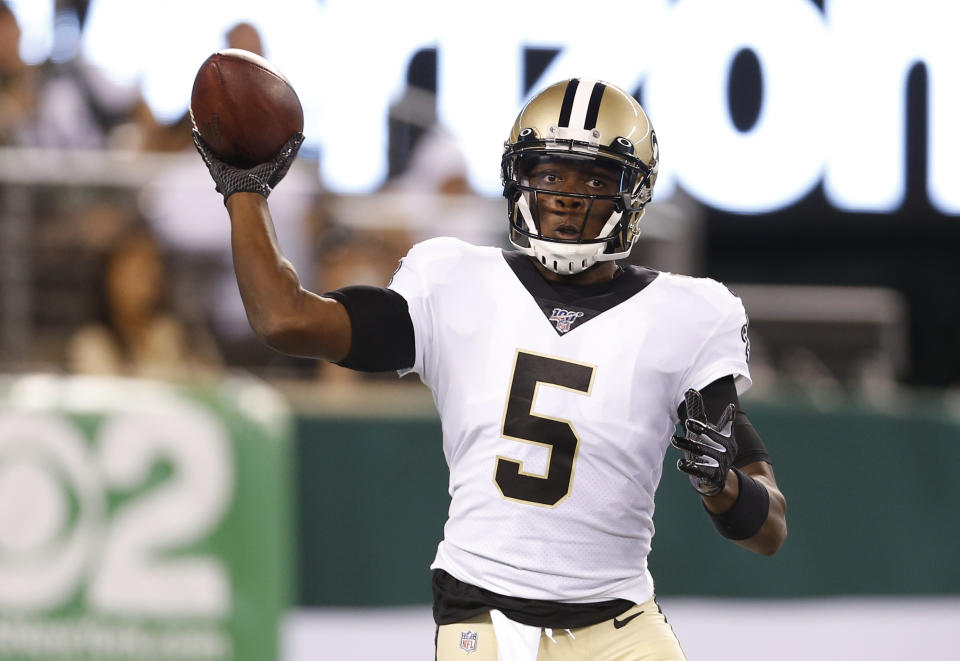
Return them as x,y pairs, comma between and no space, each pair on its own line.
527,135
622,145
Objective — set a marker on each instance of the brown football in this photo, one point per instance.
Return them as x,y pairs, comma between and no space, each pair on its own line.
244,108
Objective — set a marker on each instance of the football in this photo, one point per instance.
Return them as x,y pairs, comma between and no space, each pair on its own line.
243,107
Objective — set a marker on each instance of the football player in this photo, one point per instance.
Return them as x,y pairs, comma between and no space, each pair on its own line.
560,378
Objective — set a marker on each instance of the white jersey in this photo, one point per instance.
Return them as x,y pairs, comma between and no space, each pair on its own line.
557,412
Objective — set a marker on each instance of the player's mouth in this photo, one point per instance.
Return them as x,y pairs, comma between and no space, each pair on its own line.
565,230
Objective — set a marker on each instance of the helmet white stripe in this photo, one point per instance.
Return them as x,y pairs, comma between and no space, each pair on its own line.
581,103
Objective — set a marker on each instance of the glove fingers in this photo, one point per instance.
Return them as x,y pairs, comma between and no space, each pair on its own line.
294,143
694,403
700,444
695,463
696,426
285,158
707,433
697,468
201,146
706,481
214,165
725,423
289,151
684,443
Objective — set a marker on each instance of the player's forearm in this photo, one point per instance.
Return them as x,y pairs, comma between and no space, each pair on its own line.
771,535
283,314
268,284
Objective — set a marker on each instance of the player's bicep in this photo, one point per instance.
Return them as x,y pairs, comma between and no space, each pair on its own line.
313,327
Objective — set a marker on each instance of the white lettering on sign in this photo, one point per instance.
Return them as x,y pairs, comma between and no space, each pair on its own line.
781,157
832,109
874,44
130,558
44,573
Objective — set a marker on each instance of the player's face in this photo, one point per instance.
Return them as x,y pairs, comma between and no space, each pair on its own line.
572,218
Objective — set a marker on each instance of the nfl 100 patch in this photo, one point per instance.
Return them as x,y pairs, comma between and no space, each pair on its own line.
468,641
564,318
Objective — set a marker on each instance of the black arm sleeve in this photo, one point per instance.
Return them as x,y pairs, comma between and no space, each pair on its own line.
716,397
381,331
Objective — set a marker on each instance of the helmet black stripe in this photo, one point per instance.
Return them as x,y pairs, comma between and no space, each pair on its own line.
593,107
566,108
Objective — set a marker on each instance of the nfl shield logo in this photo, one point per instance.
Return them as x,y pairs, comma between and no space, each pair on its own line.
468,641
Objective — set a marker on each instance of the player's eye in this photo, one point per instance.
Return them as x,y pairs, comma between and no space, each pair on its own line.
546,177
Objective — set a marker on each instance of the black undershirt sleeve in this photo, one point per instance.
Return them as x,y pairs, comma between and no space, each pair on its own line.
381,331
716,397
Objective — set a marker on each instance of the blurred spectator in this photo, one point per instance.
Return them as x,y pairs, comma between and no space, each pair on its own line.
363,256
18,83
137,332
79,107
245,36
433,196
149,135
436,165
64,103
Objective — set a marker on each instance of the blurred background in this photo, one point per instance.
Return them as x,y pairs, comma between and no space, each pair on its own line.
172,489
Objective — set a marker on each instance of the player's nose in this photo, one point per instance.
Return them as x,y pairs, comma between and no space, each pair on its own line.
565,201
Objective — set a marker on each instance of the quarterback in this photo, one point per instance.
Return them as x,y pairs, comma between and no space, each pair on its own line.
561,379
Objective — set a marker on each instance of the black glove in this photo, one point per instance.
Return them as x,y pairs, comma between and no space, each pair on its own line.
260,179
709,450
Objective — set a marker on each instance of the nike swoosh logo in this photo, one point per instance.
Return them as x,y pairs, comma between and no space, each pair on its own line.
618,624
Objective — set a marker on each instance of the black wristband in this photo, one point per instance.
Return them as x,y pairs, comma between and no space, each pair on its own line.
748,513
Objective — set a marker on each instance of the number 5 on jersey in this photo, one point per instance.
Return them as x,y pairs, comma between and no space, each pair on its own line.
520,423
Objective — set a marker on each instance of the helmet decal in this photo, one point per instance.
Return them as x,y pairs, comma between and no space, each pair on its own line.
566,107
581,104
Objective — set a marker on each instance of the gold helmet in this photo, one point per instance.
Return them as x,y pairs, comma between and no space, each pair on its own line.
585,120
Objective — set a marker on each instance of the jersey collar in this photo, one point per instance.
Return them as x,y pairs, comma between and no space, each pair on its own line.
569,306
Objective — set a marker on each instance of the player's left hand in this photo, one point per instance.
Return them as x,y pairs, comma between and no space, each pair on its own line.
709,450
